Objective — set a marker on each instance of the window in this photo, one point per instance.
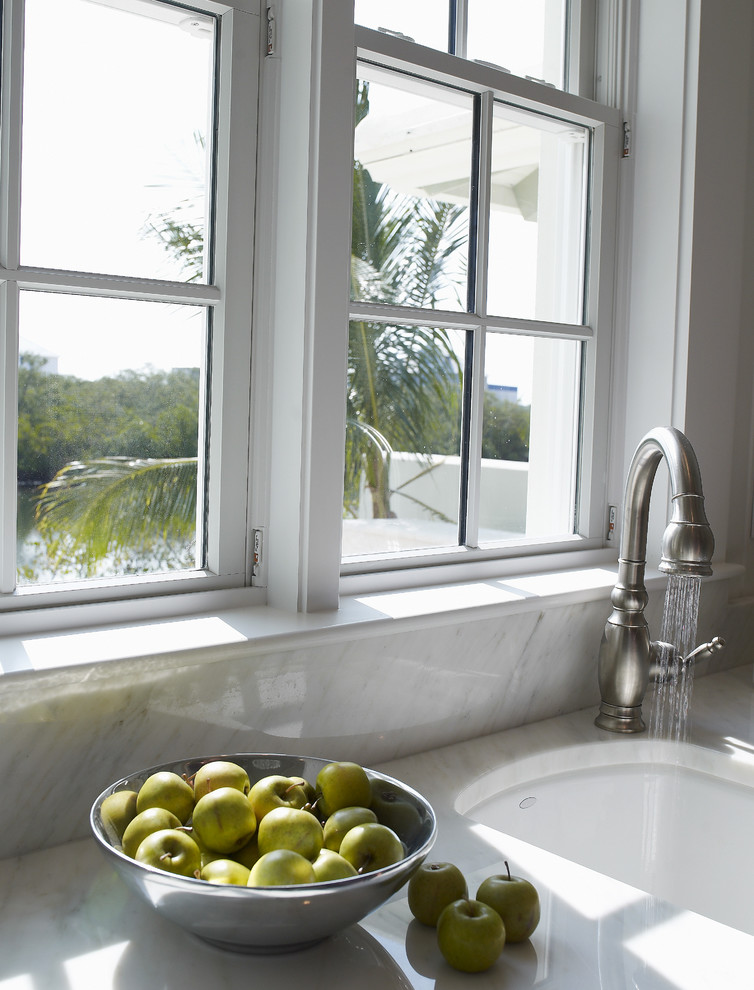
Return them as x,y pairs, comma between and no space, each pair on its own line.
126,303
481,276
155,308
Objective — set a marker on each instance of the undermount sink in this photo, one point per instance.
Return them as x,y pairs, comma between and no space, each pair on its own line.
673,819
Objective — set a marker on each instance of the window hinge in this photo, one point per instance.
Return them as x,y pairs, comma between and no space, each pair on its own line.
626,139
271,31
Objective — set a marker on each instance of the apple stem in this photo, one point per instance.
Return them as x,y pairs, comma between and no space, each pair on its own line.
507,868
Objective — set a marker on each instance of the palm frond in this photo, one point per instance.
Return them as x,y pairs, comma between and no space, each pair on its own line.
121,502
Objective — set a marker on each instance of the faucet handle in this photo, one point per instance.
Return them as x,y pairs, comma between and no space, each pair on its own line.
666,661
715,645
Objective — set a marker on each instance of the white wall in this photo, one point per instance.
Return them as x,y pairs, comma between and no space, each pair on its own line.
686,350
503,490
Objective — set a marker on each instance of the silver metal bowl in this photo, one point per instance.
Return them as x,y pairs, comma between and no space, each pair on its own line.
273,919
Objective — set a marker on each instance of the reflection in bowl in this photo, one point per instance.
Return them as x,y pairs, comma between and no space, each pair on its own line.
274,919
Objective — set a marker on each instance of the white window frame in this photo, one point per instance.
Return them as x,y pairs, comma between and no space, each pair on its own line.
606,144
288,413
229,298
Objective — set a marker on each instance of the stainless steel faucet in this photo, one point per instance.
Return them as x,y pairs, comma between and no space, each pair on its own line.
626,652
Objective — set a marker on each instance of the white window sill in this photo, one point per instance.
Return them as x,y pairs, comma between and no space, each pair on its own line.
239,629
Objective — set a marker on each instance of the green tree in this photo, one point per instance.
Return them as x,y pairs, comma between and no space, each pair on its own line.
505,433
131,439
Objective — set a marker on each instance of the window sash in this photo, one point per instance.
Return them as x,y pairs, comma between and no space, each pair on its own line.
228,299
603,123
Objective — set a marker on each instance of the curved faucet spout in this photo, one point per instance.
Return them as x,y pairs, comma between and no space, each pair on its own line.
687,546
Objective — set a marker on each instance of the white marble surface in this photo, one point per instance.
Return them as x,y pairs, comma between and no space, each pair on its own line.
67,923
371,692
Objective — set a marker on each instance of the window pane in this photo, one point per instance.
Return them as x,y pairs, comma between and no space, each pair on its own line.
402,438
527,37
529,437
116,116
424,21
412,185
110,393
537,217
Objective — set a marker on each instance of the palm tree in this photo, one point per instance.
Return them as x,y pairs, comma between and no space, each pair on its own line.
402,387
403,382
147,505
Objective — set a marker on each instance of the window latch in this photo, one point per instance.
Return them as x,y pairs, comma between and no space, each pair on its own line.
626,139
271,31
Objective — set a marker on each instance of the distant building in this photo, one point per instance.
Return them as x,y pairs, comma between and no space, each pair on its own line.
506,393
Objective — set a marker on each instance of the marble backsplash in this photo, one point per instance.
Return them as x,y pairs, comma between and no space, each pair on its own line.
372,698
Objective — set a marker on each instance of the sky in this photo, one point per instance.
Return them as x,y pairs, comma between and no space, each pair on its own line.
99,159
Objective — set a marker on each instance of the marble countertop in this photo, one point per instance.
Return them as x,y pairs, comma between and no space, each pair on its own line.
68,923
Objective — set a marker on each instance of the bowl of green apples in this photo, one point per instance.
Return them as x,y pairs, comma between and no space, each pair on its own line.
262,852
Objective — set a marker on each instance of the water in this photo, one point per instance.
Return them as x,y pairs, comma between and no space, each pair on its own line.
668,718
672,695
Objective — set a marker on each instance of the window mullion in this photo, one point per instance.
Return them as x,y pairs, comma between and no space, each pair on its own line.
10,133
10,209
474,388
230,342
460,27
8,434
113,286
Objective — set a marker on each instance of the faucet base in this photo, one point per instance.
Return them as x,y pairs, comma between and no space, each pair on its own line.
618,719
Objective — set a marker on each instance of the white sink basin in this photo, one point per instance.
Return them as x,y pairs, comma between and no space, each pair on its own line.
674,820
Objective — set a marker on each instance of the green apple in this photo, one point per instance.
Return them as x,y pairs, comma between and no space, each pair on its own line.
248,855
165,789
151,820
371,847
225,871
341,821
220,773
395,810
290,828
208,855
330,865
471,935
116,811
281,868
277,791
309,789
432,888
342,785
516,901
224,820
172,850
